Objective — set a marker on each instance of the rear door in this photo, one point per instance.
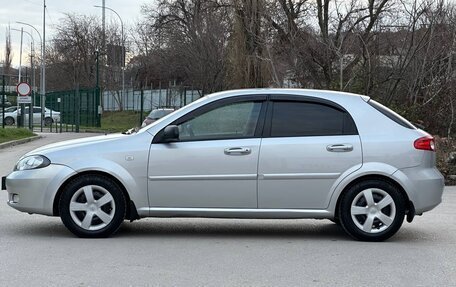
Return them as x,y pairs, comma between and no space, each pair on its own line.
308,143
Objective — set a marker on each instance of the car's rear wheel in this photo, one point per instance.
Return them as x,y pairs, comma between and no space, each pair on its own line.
92,206
372,210
9,121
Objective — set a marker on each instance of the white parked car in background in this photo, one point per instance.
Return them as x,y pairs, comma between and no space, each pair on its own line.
11,114
257,153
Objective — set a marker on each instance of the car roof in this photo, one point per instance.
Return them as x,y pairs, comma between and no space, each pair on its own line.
326,94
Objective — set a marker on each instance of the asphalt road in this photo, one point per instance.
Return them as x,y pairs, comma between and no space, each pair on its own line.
38,250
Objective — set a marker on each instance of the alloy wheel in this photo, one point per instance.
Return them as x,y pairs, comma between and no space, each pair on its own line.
92,207
373,210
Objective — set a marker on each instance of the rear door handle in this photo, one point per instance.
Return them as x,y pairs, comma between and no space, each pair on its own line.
339,148
237,151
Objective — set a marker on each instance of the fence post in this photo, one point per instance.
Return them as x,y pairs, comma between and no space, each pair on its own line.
51,100
59,100
142,107
78,106
3,101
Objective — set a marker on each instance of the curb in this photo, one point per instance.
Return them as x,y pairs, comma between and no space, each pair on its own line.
18,142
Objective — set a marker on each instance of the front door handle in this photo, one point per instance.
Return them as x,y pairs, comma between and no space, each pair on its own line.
237,151
339,148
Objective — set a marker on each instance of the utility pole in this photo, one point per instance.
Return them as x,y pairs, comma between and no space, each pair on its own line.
32,65
3,101
103,51
43,66
97,85
20,121
20,57
43,76
32,55
122,59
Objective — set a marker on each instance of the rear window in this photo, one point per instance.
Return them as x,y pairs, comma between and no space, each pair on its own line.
391,114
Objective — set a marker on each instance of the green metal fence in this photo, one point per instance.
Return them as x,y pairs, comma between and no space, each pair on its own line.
77,107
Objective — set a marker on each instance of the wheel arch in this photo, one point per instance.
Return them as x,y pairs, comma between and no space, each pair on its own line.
131,211
409,204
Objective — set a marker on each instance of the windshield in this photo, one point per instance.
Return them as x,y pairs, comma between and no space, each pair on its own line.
10,109
156,114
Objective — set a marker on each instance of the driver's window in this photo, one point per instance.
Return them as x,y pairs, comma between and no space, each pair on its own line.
237,120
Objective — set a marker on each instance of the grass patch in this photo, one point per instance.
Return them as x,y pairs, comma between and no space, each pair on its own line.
120,121
10,134
114,122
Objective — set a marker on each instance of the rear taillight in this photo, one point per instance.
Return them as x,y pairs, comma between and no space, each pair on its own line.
425,143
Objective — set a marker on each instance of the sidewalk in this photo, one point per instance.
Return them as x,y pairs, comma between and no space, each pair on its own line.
20,141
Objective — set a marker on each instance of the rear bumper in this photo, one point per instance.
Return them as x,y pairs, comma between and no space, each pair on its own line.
424,186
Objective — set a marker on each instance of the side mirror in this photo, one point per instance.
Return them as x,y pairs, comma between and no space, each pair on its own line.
170,134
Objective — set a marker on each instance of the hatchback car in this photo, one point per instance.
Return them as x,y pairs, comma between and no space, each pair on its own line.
258,153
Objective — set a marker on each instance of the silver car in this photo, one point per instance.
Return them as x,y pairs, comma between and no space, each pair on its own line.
258,153
11,114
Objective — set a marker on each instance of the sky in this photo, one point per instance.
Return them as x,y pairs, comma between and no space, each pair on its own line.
31,12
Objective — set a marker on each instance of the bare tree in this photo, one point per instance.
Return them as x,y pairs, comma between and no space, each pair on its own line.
191,39
247,64
71,57
8,52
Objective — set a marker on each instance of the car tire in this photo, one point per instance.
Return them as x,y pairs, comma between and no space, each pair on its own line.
48,121
92,206
9,121
372,210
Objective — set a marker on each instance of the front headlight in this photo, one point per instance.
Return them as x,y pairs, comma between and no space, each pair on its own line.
32,162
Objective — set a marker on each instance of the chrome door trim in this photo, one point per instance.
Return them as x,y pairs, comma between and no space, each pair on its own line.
205,177
234,213
298,176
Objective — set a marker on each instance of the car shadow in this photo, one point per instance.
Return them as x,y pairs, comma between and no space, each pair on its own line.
181,228
263,229
233,228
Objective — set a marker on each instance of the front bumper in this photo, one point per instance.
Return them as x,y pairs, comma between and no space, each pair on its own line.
33,191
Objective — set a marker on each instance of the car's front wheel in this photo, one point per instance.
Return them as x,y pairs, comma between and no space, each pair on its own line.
92,206
372,210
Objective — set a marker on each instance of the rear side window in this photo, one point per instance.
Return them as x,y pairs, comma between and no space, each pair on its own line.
391,115
292,119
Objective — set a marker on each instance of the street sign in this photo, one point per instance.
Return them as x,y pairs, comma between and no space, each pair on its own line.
23,90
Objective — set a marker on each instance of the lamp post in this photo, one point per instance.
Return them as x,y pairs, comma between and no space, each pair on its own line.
122,64
43,71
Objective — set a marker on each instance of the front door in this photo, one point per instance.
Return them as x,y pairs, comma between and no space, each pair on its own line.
214,163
